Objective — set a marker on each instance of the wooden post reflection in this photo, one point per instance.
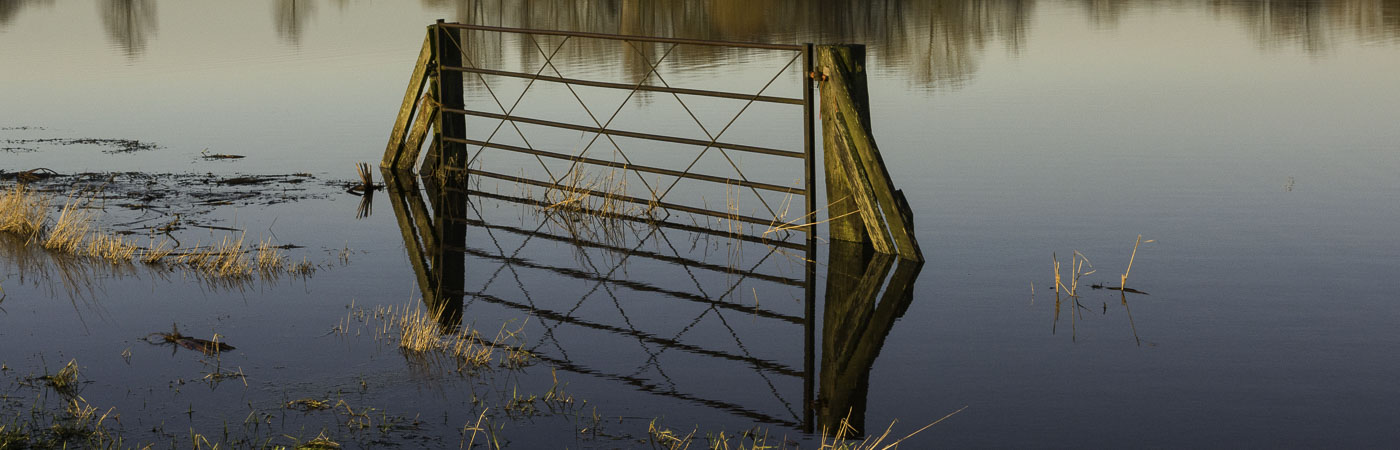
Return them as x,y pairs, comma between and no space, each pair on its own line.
856,320
434,244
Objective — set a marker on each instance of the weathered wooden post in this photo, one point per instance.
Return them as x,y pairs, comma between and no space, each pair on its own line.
394,154
861,197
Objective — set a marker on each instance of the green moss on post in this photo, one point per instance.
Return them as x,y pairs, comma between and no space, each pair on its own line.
862,198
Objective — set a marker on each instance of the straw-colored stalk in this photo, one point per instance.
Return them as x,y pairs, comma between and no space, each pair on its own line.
269,259
225,259
1077,263
302,268
156,251
111,248
72,226
22,212
1123,282
366,177
803,221
420,332
584,204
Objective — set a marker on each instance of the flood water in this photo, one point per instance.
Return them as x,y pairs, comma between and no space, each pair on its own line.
1251,144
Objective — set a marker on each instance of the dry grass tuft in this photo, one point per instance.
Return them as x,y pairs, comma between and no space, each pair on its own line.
72,227
302,268
64,382
225,259
22,212
269,259
156,252
111,248
23,215
420,332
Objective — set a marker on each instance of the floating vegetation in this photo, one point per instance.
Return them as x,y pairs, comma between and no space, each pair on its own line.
217,156
65,382
307,404
205,346
112,145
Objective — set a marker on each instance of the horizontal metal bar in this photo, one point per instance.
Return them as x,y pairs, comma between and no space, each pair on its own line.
626,37
649,221
649,386
663,342
680,261
625,198
631,134
639,168
625,86
636,286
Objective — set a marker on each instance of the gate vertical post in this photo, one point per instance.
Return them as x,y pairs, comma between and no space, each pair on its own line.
809,172
450,207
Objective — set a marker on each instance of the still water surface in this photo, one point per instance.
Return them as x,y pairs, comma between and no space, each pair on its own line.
1255,144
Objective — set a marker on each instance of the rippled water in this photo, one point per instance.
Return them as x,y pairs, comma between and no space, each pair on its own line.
1254,143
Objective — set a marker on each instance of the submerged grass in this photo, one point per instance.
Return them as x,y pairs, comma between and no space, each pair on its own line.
74,223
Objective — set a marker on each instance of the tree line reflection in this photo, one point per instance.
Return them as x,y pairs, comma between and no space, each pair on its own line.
935,43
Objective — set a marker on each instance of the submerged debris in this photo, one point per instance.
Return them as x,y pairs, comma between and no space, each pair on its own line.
29,175
1116,288
217,156
204,346
114,145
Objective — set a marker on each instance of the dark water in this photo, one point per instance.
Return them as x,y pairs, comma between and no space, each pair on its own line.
1254,143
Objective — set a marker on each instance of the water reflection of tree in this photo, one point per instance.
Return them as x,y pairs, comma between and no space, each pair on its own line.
939,42
933,43
1280,23
291,16
130,23
9,9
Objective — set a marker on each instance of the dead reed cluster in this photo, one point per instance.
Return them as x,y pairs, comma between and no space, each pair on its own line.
1078,262
420,332
23,213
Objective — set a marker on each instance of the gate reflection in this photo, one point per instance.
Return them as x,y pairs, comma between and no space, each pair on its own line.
721,321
